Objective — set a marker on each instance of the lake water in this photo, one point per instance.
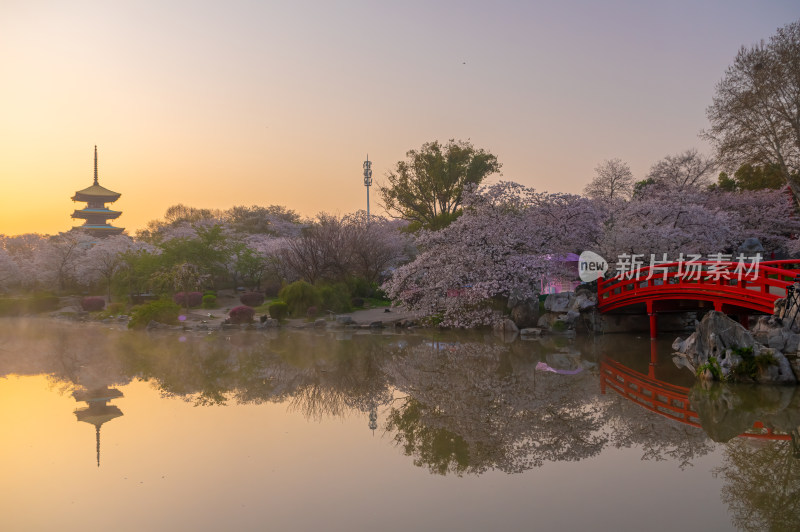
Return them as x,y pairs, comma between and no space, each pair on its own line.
107,429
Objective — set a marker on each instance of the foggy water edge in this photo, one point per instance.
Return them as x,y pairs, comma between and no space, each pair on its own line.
307,430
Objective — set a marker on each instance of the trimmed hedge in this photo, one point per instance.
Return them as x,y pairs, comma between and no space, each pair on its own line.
162,311
209,301
195,299
242,314
278,310
252,299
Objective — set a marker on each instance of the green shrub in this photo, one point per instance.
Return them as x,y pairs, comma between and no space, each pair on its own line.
335,298
299,296
278,310
357,302
162,311
209,301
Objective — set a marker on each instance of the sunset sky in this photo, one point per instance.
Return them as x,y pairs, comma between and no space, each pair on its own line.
214,104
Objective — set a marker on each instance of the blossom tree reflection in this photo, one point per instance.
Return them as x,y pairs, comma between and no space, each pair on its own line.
762,484
471,407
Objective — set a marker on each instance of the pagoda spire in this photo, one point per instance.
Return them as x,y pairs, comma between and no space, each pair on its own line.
95,164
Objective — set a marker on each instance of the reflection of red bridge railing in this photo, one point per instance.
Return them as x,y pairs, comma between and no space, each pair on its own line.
663,398
722,283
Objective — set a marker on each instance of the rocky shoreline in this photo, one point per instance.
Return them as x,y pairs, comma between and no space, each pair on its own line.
721,349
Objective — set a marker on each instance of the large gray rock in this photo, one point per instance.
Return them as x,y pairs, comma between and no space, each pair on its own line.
715,334
583,301
559,302
719,337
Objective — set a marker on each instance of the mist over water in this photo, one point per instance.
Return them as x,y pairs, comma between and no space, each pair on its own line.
307,430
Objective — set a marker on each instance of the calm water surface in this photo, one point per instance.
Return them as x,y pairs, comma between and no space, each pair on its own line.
104,429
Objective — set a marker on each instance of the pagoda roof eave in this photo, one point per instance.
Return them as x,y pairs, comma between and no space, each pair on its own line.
106,229
95,193
90,198
89,213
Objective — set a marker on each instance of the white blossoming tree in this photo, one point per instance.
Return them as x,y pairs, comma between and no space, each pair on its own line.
500,247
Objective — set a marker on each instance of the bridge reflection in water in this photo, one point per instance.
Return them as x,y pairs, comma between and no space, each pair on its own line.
665,399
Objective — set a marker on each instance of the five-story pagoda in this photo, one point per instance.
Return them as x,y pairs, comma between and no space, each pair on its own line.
96,213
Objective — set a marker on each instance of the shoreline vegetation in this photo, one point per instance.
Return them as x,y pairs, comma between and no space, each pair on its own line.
456,249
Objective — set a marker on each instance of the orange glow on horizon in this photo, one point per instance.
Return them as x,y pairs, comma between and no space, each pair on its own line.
262,104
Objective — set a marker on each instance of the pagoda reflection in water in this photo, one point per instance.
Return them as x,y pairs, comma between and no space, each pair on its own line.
98,410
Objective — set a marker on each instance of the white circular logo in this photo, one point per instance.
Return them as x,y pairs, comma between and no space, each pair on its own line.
591,266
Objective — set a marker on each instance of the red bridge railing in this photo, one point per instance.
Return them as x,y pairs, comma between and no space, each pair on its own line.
723,283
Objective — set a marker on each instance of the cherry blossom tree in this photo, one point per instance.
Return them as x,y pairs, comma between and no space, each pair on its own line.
768,215
498,248
23,249
56,261
673,221
263,260
104,260
9,271
670,221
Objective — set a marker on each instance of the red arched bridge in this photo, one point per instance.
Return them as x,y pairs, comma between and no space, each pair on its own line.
740,288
